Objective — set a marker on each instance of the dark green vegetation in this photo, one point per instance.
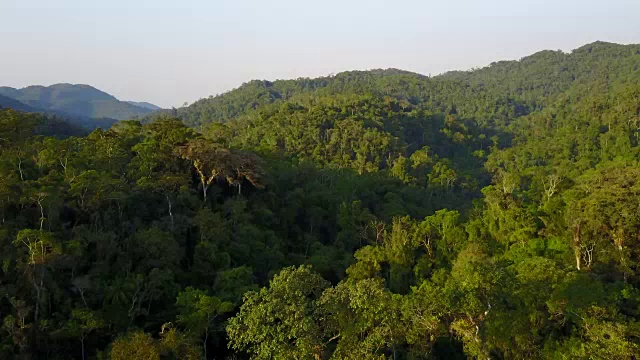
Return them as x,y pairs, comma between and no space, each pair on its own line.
381,214
81,105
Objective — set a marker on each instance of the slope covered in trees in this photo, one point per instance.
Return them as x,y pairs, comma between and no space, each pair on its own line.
499,92
493,213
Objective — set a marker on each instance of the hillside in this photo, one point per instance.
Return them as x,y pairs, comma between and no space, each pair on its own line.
77,100
485,214
486,94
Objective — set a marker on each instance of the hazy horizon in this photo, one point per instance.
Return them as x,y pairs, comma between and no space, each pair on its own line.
167,52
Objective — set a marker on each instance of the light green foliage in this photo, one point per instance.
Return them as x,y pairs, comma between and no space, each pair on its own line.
363,318
280,321
475,288
605,206
177,345
137,345
441,235
83,322
199,312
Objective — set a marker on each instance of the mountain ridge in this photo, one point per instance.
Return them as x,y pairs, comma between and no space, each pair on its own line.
76,99
522,79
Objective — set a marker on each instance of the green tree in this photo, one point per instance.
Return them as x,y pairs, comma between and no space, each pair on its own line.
199,311
280,321
137,345
82,323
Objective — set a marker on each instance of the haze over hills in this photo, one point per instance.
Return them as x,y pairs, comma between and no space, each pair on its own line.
11,103
145,105
77,100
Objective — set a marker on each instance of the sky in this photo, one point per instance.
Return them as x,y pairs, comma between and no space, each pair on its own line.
170,52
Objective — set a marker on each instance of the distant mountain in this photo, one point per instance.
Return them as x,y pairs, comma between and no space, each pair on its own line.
78,100
11,103
58,117
145,105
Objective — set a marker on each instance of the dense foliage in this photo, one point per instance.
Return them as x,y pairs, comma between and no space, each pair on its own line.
485,214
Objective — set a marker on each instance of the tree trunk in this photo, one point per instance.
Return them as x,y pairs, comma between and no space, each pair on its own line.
170,212
82,290
41,214
20,170
204,191
576,245
204,343
36,314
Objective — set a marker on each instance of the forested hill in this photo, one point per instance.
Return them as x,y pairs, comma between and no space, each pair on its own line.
488,214
76,100
517,87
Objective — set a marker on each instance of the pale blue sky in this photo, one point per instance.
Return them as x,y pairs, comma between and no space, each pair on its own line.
171,51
